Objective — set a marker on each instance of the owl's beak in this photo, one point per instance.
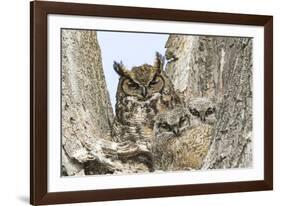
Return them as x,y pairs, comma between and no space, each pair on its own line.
202,117
176,131
144,92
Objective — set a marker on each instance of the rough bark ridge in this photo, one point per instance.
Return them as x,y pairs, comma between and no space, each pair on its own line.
87,112
219,68
86,108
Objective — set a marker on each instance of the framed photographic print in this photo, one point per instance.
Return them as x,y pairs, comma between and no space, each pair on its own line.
131,102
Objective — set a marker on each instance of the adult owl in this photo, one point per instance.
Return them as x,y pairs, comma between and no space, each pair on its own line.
180,144
143,92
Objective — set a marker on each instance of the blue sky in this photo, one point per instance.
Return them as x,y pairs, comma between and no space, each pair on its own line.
132,49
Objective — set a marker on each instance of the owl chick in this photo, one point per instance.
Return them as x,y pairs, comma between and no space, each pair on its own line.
143,92
202,110
179,145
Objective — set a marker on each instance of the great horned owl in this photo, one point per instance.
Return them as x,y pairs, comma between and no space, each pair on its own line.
202,110
178,144
143,92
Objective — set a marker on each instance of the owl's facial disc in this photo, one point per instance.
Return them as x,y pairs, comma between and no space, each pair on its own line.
143,90
200,114
166,128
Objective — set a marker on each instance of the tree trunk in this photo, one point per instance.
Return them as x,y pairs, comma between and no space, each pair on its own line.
219,68
216,67
87,113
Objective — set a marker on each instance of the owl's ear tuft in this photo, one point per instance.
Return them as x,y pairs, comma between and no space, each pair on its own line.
120,69
159,61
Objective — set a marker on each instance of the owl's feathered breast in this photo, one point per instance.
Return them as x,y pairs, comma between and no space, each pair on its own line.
130,111
185,152
143,92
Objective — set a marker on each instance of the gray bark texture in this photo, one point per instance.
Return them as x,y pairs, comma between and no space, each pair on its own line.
219,68
87,113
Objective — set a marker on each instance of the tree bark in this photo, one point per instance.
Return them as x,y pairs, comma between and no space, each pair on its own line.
86,110
219,68
87,113
216,67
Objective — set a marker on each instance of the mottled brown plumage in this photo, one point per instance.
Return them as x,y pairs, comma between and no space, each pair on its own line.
143,92
180,143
